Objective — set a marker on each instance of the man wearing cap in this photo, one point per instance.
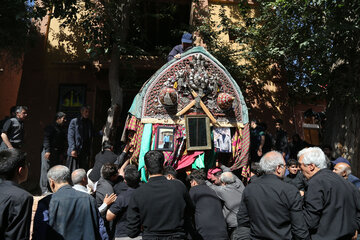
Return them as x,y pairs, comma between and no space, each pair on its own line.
342,166
54,147
186,44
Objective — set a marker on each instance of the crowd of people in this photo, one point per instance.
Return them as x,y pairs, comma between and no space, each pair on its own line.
296,191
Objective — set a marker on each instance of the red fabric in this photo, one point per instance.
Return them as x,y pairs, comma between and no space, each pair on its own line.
241,144
188,159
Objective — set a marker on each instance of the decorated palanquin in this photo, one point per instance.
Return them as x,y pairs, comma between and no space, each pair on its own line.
196,85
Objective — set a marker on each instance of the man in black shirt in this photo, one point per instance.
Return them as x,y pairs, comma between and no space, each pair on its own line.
295,177
54,147
159,206
209,219
15,203
118,209
281,141
331,205
106,155
12,132
271,207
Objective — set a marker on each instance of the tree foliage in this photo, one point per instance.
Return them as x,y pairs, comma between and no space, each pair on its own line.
16,25
311,40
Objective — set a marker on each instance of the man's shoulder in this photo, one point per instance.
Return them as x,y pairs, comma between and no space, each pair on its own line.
103,185
273,181
67,192
73,121
13,189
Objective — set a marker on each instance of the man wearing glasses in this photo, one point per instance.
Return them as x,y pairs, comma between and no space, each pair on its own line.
271,208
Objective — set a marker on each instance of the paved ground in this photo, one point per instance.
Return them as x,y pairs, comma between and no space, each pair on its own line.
36,200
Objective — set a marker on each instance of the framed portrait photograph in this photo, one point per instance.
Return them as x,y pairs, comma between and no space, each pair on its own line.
197,132
165,139
222,139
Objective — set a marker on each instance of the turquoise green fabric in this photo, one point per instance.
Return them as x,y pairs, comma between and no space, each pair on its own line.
136,106
144,148
199,162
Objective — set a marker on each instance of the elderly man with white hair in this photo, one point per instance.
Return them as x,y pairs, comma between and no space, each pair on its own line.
271,208
67,213
331,206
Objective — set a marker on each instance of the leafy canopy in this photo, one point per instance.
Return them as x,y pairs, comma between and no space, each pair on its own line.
309,39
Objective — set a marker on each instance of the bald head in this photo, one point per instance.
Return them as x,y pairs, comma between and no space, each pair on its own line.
79,177
342,169
227,178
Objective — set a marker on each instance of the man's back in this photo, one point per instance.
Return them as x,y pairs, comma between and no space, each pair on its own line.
119,208
70,215
159,206
209,219
15,211
272,209
330,206
100,159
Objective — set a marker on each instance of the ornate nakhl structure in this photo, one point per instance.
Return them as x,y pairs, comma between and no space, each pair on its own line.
173,107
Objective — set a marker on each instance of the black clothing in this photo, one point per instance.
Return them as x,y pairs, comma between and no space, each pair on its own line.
14,129
15,211
80,134
120,187
298,180
67,214
119,208
272,209
209,219
100,159
268,144
331,207
55,144
281,141
296,147
160,207
55,138
255,140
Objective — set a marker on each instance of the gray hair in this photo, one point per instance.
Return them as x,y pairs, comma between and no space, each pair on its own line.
227,178
345,168
60,174
78,175
270,161
313,155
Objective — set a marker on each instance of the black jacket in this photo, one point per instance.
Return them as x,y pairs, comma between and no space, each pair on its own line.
209,219
15,211
272,209
297,180
54,138
159,206
331,207
67,214
100,159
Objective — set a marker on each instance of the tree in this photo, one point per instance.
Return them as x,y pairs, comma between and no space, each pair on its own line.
316,43
17,27
110,29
